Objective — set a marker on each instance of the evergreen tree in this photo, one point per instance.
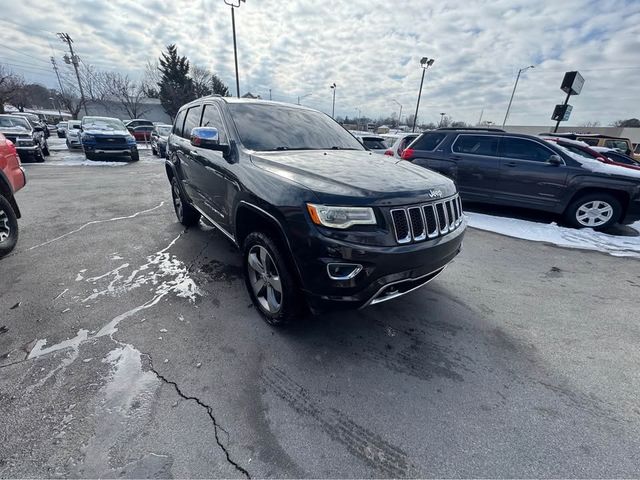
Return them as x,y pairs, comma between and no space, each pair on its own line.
217,86
176,87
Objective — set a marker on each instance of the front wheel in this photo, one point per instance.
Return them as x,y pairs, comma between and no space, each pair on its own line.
45,150
135,156
270,282
594,210
8,227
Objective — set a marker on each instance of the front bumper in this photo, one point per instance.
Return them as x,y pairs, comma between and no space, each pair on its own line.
387,272
108,150
27,153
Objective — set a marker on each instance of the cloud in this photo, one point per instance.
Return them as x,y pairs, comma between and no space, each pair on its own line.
369,48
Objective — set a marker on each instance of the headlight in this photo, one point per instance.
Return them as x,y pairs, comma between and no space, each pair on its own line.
25,142
341,217
131,139
88,138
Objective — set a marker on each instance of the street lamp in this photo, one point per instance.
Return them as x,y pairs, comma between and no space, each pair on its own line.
235,4
400,114
303,97
442,118
506,115
425,63
333,108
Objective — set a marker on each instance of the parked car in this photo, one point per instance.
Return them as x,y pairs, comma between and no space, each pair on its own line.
614,156
493,166
73,134
138,122
596,140
398,143
375,143
61,129
106,137
319,219
141,133
35,122
28,140
12,179
159,137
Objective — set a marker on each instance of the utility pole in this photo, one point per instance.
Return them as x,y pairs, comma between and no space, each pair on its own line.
269,94
333,108
74,60
55,69
442,114
235,4
506,115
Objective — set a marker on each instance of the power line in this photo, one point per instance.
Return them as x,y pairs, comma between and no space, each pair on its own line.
30,27
22,53
24,67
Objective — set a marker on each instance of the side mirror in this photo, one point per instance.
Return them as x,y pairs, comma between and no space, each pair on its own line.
555,160
207,137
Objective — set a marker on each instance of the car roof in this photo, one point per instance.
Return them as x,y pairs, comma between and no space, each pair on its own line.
96,117
249,101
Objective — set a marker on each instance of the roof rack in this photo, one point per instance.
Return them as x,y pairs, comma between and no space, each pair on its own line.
480,129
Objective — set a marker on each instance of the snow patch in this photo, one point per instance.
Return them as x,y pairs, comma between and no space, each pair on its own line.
586,238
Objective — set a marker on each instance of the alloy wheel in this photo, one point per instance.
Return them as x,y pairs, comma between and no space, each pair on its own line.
177,201
5,230
265,279
594,213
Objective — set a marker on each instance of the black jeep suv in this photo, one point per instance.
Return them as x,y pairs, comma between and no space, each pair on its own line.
493,166
318,217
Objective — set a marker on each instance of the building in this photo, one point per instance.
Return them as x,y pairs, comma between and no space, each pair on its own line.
632,134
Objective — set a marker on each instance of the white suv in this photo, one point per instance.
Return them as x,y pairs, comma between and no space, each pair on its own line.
73,134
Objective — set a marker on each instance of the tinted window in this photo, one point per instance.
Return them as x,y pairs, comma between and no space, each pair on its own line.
275,127
619,144
523,149
637,150
429,141
476,145
620,158
590,141
374,143
212,118
191,121
177,126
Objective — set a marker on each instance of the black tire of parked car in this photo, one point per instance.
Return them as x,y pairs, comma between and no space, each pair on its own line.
89,156
39,155
187,215
162,153
45,150
8,227
571,213
290,306
153,150
135,156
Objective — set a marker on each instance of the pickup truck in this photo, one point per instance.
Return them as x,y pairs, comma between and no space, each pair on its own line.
321,222
12,179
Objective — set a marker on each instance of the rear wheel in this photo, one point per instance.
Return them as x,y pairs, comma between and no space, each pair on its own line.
187,215
8,227
270,282
135,156
153,150
45,150
594,210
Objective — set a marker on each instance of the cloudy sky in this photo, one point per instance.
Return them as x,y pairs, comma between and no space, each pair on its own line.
369,48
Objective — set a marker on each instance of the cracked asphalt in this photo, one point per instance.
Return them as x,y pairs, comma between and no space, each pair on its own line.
129,348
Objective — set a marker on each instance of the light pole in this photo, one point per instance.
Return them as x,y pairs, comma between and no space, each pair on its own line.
506,115
333,108
425,63
400,114
235,4
442,118
303,97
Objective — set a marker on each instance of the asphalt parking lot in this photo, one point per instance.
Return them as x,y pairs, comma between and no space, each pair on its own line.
129,348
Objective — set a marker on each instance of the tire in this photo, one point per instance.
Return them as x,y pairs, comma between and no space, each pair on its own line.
8,227
187,215
162,153
89,156
593,210
135,156
45,150
269,280
154,151
39,156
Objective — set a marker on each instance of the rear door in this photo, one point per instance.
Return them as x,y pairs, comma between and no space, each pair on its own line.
526,176
475,165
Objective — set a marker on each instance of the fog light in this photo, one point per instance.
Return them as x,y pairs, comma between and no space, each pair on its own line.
343,271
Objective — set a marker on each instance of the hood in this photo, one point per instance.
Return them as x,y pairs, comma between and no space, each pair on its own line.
105,131
358,174
15,130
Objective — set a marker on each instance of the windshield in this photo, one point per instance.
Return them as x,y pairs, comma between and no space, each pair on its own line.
14,122
276,127
374,143
164,130
103,124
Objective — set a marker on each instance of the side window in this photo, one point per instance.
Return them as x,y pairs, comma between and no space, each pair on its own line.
212,118
592,142
524,149
476,145
191,121
429,141
179,122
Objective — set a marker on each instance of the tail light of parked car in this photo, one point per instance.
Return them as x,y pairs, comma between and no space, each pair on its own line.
389,152
407,154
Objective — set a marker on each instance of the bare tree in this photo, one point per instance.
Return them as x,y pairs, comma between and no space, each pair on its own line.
10,86
206,83
128,93
151,79
590,124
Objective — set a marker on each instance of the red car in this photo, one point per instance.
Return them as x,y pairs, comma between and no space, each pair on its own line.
584,150
12,179
141,133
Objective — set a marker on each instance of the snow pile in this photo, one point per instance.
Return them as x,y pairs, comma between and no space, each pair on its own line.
585,238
